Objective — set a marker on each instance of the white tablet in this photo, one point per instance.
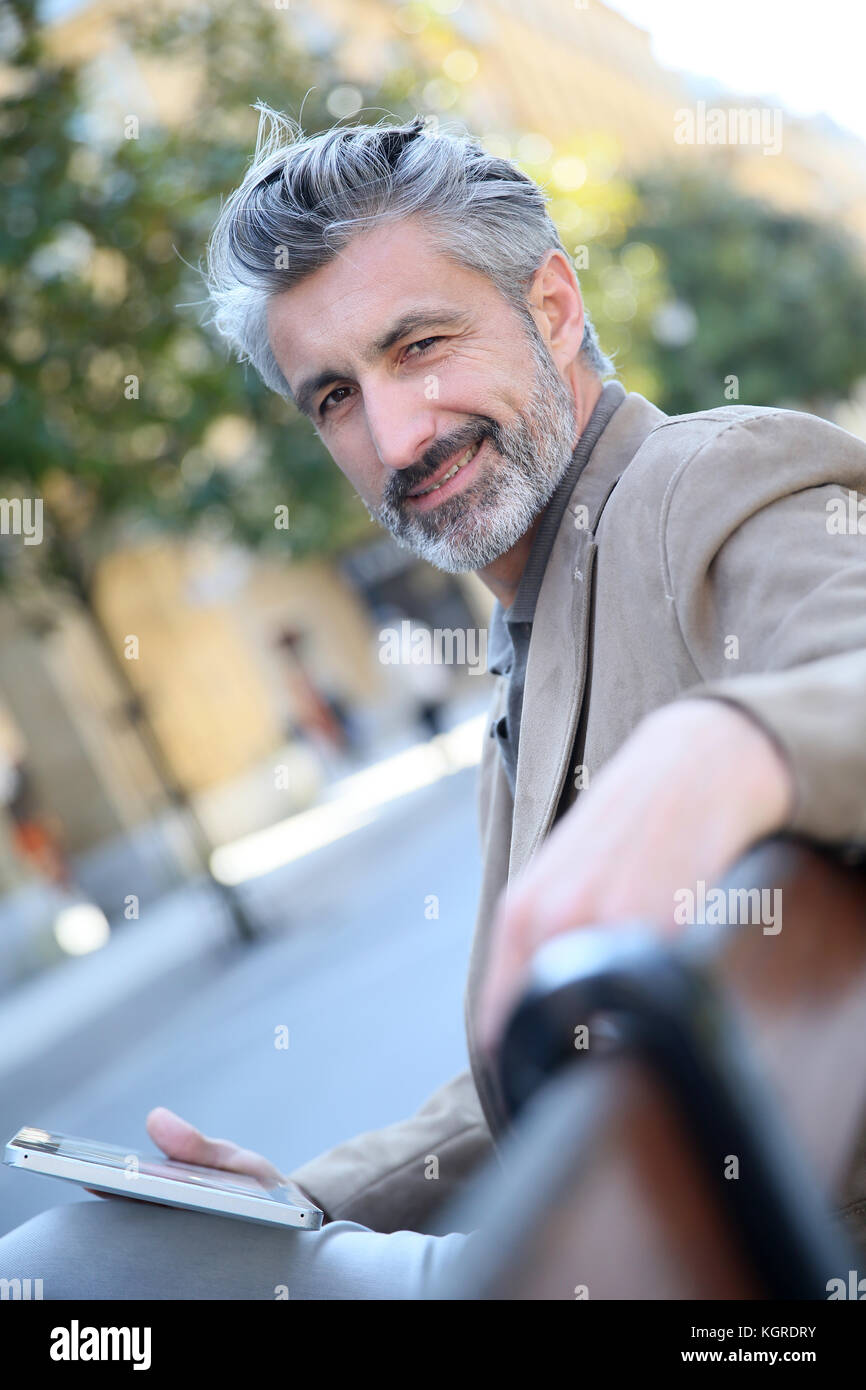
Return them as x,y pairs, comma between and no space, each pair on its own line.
155,1178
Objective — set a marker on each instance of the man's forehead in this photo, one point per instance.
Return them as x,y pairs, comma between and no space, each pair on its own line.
390,318
372,281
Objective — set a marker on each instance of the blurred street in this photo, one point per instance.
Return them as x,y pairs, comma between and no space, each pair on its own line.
368,985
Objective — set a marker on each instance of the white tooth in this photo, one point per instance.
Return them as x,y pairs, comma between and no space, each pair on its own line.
470,454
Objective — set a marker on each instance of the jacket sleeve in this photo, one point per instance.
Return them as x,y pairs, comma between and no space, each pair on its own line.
393,1179
771,601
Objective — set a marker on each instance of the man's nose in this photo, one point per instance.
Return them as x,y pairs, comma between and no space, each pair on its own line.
401,423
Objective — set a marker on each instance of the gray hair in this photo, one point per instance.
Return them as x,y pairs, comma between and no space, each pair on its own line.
305,197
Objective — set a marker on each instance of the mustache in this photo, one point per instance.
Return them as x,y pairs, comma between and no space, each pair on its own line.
403,480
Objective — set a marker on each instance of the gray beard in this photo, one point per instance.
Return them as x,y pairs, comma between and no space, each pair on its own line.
473,528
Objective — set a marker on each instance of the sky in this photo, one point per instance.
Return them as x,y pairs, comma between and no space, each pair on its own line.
806,57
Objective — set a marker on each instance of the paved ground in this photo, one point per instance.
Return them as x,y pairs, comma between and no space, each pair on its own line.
369,987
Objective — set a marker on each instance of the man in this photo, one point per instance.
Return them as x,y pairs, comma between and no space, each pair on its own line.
679,634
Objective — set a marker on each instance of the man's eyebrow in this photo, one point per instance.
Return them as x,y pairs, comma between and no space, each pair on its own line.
410,323
407,323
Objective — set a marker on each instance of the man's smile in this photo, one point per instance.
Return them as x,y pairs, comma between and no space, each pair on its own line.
452,477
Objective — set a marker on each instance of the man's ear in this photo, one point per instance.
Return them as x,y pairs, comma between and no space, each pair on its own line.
556,304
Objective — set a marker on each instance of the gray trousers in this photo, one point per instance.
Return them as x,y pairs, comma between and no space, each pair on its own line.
116,1248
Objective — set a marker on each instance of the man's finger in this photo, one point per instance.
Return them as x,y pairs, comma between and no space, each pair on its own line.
182,1141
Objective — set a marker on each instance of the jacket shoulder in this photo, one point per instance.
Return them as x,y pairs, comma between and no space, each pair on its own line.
755,453
739,427
697,478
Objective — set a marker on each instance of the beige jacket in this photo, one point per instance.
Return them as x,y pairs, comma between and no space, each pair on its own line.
717,569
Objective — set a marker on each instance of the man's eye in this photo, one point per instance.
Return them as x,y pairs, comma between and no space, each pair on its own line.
424,344
420,344
324,407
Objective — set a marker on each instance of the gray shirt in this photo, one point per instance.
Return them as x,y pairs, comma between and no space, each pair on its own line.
511,628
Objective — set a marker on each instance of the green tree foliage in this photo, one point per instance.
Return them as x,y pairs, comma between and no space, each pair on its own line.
119,402
774,299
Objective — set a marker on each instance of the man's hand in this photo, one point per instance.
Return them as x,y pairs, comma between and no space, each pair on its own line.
180,1140
694,786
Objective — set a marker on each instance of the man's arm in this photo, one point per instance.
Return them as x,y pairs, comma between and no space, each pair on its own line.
393,1179
771,604
683,798
788,601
